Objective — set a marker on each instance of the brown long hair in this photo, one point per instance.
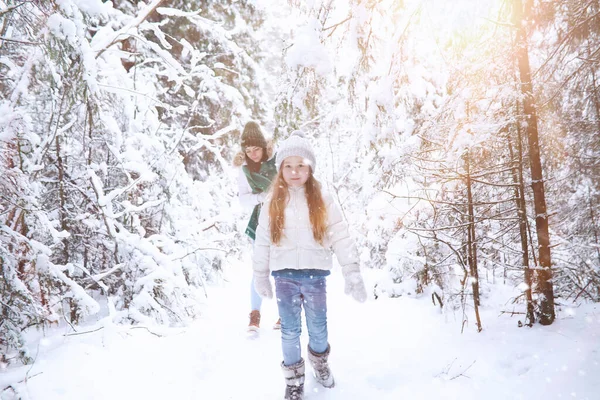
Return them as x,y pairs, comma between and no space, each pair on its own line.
316,208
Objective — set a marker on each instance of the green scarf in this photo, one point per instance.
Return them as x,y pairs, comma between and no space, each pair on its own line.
259,182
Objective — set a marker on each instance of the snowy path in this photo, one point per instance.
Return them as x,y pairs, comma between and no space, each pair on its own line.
383,349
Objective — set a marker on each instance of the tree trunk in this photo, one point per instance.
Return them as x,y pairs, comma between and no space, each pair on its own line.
517,174
544,271
62,210
597,110
471,244
593,222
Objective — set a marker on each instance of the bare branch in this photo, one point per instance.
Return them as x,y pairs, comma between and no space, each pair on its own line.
83,333
19,41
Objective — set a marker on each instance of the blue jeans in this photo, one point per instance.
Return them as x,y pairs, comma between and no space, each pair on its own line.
292,294
255,299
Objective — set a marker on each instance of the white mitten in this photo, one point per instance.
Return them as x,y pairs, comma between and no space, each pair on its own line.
355,286
263,287
261,197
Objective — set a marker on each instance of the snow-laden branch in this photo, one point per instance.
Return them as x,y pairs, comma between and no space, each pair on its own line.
11,8
124,32
202,140
173,12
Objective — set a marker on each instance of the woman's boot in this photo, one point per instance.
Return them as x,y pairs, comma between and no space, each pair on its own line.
254,321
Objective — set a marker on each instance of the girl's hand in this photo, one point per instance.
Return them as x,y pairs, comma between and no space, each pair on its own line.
355,286
263,287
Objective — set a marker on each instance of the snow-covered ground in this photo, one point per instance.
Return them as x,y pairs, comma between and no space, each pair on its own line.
400,348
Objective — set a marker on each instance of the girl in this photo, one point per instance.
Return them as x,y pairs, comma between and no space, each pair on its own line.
296,232
256,173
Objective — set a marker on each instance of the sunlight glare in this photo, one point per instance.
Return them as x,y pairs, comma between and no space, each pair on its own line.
446,24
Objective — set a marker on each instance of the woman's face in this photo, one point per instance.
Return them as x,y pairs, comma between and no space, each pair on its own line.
254,153
295,171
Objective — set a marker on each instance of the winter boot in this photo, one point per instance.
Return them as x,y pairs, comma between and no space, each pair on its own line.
254,321
321,367
294,380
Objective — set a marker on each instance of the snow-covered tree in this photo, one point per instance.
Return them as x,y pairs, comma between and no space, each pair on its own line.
118,120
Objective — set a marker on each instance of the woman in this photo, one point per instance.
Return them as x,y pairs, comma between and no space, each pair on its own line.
256,173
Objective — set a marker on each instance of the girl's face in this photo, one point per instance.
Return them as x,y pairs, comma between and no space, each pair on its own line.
295,171
254,153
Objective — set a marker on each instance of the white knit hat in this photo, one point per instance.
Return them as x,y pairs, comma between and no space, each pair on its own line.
296,145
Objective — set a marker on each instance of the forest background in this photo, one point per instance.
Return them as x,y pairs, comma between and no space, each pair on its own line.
461,138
